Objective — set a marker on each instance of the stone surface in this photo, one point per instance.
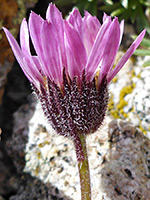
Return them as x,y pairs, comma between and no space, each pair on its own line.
8,182
130,91
32,188
126,170
16,145
119,159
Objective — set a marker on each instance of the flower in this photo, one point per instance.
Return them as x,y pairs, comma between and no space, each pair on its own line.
72,66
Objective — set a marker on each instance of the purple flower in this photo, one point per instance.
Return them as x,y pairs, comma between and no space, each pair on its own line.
72,66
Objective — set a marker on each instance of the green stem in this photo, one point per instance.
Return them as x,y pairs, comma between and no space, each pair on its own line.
83,167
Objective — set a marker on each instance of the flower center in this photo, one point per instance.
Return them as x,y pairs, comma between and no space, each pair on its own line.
74,110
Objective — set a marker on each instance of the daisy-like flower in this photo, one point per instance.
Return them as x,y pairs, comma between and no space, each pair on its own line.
72,67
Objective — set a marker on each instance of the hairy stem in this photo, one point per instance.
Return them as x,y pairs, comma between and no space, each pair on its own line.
83,167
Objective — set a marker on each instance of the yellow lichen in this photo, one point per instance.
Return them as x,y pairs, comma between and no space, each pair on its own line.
139,75
115,113
36,171
133,109
142,129
118,110
38,155
42,144
122,103
132,73
115,79
111,102
125,115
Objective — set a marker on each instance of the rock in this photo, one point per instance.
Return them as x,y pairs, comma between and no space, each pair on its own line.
9,183
129,97
15,146
126,170
32,188
119,159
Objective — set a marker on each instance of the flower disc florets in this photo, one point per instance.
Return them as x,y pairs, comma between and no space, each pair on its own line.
75,108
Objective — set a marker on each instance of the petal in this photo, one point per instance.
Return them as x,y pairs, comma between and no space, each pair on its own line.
24,37
35,25
106,17
35,28
16,50
15,47
32,64
127,55
52,53
75,20
111,48
32,70
72,66
76,45
20,58
54,16
94,19
38,64
91,27
97,50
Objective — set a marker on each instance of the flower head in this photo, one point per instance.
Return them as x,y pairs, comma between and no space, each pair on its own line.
72,66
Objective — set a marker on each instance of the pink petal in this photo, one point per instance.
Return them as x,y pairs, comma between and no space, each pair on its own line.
38,65
111,48
32,64
97,50
17,51
52,53
20,58
73,68
106,17
35,25
15,47
91,27
76,46
54,16
32,70
24,37
75,20
94,19
127,55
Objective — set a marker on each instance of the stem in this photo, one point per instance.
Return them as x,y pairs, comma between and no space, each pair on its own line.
83,167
